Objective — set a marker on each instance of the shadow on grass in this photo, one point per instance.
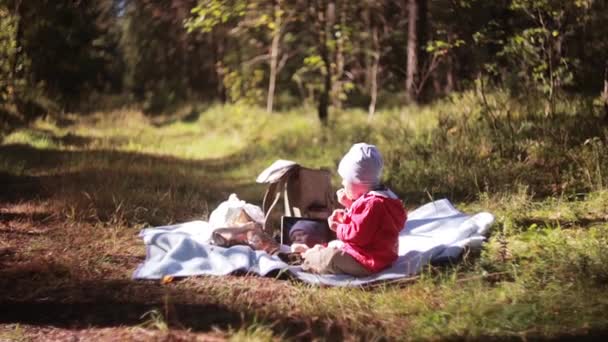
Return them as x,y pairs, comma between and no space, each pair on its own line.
113,303
43,291
24,216
19,187
164,187
189,114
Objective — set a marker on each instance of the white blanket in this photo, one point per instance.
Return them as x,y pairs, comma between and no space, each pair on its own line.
434,232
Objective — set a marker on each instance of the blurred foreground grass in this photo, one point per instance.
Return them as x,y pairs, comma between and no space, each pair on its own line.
109,174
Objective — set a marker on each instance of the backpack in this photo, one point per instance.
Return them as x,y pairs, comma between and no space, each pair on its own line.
306,193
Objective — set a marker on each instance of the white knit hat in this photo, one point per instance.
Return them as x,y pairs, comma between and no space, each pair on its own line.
362,164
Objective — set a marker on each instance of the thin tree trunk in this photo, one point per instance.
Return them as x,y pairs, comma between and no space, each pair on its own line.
322,16
15,70
339,72
412,50
449,61
423,32
326,19
241,66
274,59
323,109
374,72
605,93
219,67
436,85
450,79
273,72
367,47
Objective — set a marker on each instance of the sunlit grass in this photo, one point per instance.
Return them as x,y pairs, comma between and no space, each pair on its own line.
254,332
33,138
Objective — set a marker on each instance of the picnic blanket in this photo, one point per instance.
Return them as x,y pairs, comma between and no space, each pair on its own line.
434,232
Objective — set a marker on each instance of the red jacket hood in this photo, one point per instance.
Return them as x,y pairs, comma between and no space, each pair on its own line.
394,207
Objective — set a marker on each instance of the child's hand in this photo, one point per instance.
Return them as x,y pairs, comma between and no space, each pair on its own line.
315,248
343,198
338,244
299,248
336,218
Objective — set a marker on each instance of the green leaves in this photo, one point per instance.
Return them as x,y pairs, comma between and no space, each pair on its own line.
9,62
536,51
210,13
440,47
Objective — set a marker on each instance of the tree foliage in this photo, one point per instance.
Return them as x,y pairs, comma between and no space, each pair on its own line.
8,53
279,53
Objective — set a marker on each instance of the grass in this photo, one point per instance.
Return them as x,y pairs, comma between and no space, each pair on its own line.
13,333
79,188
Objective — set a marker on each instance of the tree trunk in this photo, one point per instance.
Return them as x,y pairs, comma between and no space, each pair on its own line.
219,67
423,33
324,102
326,19
274,59
339,71
412,50
436,85
322,16
605,93
274,54
366,47
16,72
325,96
374,72
449,82
241,67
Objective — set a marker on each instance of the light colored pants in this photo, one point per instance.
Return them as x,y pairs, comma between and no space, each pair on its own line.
333,260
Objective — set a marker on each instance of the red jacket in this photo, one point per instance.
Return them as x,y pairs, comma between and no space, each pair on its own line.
371,227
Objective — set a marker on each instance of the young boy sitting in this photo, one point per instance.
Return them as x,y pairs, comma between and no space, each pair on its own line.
368,227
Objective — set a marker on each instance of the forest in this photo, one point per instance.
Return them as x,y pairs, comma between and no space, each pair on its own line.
65,55
120,115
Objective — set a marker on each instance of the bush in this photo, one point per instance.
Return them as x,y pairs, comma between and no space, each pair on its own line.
457,147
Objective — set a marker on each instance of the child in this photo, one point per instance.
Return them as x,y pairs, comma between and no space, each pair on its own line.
368,227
